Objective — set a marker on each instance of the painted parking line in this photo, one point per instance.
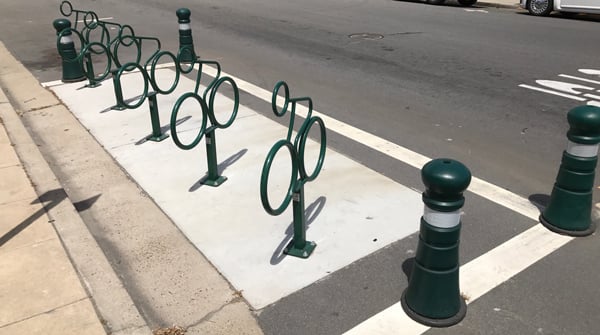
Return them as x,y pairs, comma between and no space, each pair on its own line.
569,90
477,277
478,186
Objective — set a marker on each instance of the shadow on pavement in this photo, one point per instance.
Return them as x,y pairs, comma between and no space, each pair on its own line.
220,168
310,213
49,200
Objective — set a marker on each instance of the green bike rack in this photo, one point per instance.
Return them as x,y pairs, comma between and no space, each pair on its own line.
91,22
208,115
298,246
148,71
157,134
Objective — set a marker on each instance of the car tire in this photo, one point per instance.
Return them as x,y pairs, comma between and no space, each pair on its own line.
467,3
540,7
436,2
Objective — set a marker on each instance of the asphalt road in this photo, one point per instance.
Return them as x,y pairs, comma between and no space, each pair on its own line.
440,80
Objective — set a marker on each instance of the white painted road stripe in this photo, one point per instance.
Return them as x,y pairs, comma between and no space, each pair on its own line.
477,278
592,96
552,92
478,186
579,78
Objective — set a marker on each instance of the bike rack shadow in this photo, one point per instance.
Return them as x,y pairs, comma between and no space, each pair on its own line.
112,108
220,168
311,213
163,129
48,200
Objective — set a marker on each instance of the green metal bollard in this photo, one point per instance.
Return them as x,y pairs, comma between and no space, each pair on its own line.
71,67
570,209
433,294
186,42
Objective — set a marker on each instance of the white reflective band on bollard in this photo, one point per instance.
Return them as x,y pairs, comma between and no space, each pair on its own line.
185,26
582,150
66,40
441,219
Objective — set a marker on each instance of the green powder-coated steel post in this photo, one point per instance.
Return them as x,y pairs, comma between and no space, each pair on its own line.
186,42
433,295
71,67
213,178
157,135
570,207
298,246
120,105
90,70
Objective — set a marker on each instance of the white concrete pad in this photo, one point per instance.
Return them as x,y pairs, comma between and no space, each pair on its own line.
355,211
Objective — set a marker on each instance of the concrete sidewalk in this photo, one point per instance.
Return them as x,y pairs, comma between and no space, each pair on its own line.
40,290
131,295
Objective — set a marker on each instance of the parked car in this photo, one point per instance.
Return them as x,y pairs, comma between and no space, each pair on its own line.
545,7
466,3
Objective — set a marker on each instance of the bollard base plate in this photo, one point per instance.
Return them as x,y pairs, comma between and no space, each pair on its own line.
575,233
214,182
73,80
157,138
439,323
302,253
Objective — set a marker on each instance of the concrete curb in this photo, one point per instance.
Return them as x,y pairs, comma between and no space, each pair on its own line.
114,306
497,5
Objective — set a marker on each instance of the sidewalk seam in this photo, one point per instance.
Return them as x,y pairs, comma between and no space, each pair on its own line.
45,312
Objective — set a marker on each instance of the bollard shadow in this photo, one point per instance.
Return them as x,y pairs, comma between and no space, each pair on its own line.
407,267
112,108
220,168
48,200
163,129
310,213
540,201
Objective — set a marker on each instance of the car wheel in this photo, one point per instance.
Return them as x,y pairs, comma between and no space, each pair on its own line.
539,7
436,2
467,2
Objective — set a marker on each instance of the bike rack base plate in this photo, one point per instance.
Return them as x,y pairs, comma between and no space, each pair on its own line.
157,138
302,253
